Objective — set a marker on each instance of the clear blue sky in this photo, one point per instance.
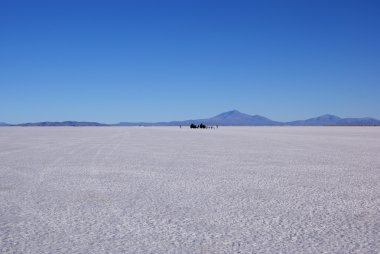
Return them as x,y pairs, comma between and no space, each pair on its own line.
112,61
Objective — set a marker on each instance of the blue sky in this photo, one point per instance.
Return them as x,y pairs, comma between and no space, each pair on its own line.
112,61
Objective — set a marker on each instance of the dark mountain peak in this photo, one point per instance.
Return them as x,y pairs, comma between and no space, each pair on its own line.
232,113
235,117
259,117
327,117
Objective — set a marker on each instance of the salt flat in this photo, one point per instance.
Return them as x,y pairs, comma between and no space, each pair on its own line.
172,190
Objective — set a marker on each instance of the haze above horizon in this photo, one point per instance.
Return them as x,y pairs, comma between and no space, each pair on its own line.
168,60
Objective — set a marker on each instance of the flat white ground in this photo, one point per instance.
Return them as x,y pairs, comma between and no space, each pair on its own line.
172,190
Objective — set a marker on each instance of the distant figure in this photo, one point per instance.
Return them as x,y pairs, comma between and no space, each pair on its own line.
180,126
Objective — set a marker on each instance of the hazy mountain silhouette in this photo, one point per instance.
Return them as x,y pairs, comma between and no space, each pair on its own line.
230,118
236,118
331,120
320,120
65,123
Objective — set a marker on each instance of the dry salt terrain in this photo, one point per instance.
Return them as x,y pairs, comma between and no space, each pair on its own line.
172,190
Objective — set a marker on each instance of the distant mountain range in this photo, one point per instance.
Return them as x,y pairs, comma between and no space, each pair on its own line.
230,118
236,118
66,123
331,120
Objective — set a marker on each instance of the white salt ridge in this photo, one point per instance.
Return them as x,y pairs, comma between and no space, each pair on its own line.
172,190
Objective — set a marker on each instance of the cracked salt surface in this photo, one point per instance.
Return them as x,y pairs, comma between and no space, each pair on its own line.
172,190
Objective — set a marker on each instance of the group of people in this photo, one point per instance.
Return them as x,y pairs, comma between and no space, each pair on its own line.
201,126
